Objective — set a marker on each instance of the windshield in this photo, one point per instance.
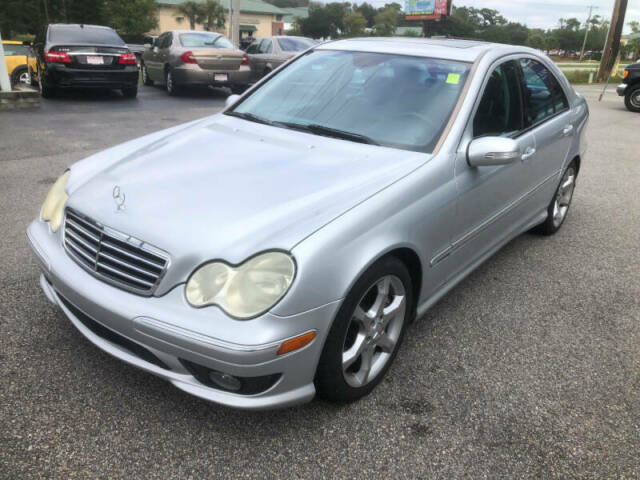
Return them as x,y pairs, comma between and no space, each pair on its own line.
392,100
85,34
210,40
294,44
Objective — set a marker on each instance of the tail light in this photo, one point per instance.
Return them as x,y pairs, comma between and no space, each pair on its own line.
187,57
245,59
128,59
56,57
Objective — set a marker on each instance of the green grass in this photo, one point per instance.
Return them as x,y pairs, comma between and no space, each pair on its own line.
582,77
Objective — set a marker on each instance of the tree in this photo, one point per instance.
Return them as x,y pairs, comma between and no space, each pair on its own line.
194,11
214,14
323,20
354,24
368,11
386,22
131,16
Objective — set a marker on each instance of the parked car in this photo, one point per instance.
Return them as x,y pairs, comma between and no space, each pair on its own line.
281,248
84,56
267,54
630,87
138,43
186,58
16,54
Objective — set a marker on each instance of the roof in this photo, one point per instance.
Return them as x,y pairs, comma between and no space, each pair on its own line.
450,49
247,6
293,12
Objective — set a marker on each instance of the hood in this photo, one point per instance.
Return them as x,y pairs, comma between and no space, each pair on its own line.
226,188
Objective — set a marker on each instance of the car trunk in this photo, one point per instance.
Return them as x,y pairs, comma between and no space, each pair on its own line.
92,57
218,58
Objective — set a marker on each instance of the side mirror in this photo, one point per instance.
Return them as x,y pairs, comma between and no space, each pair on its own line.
231,99
488,151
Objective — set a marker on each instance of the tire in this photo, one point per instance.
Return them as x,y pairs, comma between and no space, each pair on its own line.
632,99
266,72
20,75
341,374
238,89
145,76
558,208
46,90
130,92
172,88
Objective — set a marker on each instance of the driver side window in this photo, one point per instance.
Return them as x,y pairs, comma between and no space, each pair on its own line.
500,110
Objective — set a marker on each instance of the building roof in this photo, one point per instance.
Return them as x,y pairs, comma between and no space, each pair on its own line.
247,6
293,12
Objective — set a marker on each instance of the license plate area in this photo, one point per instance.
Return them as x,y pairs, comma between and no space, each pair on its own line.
95,60
220,77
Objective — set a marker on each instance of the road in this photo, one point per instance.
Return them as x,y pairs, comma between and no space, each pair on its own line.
529,368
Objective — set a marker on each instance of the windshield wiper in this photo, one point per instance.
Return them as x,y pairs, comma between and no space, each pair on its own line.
250,116
328,132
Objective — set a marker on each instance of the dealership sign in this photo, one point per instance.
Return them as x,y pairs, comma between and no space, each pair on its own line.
424,9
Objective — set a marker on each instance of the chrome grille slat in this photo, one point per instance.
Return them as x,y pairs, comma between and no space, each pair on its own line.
126,265
82,242
124,275
79,251
71,223
105,243
112,256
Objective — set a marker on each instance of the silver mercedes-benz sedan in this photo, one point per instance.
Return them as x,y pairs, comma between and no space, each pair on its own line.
281,248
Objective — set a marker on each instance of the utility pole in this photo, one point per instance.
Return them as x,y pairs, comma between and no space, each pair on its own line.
5,83
612,46
586,31
234,22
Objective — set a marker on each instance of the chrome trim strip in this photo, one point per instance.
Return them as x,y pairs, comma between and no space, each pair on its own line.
484,225
127,265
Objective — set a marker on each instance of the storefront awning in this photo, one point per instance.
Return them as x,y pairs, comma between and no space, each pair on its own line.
248,28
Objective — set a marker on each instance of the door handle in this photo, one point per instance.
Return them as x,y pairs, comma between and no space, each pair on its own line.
528,153
567,130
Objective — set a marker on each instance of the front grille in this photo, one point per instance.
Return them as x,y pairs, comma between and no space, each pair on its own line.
112,256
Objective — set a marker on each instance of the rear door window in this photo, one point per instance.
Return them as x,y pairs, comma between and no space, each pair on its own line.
543,94
68,34
266,46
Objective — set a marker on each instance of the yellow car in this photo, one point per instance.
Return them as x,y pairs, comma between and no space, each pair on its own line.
16,57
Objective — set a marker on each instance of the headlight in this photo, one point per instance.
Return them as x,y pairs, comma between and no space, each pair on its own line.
244,291
53,206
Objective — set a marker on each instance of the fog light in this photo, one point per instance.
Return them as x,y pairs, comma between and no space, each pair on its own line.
225,381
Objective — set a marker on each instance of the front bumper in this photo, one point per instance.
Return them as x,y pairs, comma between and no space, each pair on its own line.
621,89
192,74
163,334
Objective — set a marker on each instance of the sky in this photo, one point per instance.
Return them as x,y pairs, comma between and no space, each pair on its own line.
543,14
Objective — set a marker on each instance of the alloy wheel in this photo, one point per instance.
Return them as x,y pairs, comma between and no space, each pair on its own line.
374,331
563,196
24,78
635,99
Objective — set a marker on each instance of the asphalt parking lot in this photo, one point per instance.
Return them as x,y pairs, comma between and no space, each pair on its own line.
529,368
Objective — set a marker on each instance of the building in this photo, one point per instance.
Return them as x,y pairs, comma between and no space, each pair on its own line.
291,14
257,18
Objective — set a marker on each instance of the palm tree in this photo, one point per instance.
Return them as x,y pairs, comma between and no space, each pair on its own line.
194,11
213,12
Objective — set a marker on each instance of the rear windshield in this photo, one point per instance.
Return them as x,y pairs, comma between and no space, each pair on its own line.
210,40
15,49
85,35
294,44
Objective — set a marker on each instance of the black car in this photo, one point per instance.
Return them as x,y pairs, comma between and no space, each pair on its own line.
630,87
84,56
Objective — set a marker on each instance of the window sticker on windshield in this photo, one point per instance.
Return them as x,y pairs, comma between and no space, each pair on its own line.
453,78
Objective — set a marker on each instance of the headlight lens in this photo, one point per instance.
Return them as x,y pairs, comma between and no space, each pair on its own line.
53,206
244,291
